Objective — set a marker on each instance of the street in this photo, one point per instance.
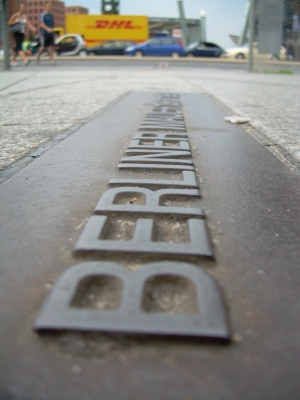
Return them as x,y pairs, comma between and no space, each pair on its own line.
157,62
128,62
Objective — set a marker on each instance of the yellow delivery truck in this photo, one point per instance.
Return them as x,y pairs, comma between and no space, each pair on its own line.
96,29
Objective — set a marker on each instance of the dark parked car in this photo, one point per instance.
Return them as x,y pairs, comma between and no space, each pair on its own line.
111,48
205,49
166,47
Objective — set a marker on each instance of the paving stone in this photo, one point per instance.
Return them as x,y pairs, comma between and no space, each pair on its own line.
271,101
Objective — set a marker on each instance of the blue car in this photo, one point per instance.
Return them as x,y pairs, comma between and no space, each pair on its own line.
162,47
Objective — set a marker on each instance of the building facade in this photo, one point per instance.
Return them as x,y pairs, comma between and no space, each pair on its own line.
76,10
159,27
34,9
291,8
12,6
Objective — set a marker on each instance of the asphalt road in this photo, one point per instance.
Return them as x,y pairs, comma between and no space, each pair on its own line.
156,62
148,63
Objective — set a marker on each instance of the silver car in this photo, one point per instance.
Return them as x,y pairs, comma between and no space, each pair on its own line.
71,45
241,53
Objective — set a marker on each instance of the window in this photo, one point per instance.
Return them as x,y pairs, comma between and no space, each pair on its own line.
154,43
168,42
122,44
109,45
69,40
210,45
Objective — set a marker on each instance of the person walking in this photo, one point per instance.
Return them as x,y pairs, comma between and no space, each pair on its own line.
20,17
47,34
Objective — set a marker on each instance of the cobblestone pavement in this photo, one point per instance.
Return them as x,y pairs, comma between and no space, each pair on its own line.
271,101
36,107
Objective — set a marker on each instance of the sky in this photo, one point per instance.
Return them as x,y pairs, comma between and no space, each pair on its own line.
223,17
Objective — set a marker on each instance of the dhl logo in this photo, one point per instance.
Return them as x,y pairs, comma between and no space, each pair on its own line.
105,24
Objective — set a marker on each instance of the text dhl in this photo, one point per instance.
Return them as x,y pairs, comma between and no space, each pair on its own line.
105,24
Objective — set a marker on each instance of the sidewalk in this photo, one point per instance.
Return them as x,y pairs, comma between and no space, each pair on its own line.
37,107
91,203
249,249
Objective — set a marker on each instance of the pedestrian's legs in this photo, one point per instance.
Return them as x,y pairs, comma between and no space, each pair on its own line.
19,37
22,55
40,50
14,56
51,52
16,49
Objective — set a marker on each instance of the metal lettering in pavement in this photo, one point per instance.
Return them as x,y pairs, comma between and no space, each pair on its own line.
158,145
189,181
94,240
151,202
203,314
